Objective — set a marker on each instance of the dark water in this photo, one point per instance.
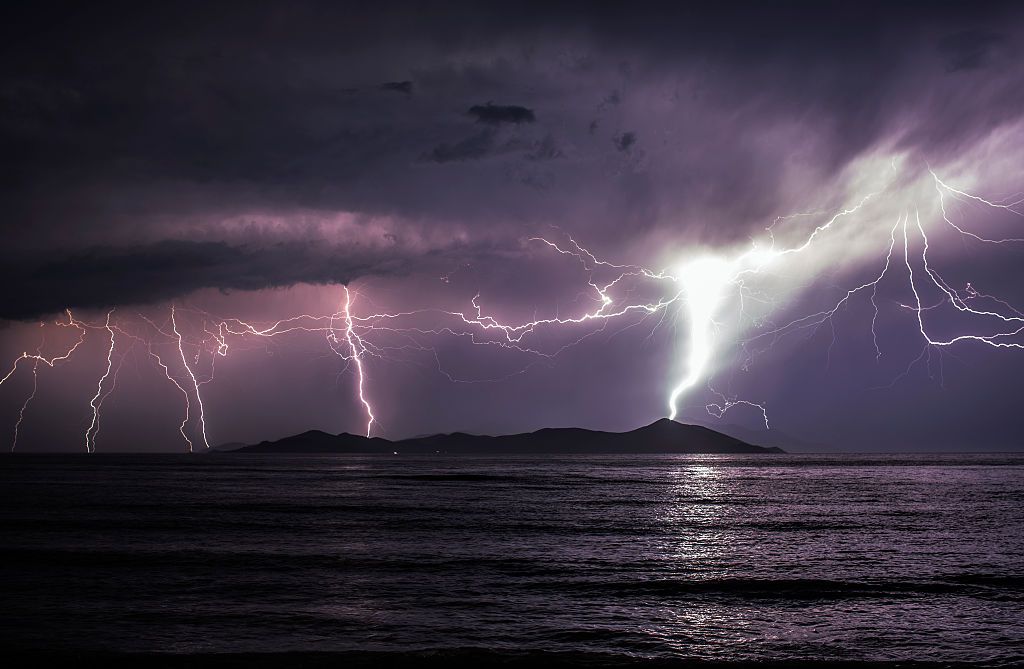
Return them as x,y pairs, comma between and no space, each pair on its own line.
889,558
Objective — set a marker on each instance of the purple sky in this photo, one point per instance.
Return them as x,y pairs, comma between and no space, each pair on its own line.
250,160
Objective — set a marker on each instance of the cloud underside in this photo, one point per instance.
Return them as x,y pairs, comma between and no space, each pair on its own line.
615,123
103,278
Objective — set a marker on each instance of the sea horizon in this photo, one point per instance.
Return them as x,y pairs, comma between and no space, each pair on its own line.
584,560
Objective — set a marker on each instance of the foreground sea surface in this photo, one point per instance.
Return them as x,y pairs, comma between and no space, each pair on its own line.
890,558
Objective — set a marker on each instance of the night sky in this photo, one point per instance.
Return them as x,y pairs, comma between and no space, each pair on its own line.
258,161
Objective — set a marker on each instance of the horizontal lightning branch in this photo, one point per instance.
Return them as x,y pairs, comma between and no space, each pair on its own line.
697,290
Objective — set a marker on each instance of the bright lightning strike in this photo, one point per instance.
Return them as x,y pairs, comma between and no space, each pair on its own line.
355,351
704,282
703,291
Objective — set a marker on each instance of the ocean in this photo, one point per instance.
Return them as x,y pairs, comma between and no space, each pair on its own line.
816,558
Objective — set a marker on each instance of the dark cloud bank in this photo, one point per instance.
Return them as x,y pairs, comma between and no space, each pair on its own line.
116,121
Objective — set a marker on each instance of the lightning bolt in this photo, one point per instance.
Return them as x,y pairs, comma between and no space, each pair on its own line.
31,396
704,290
192,376
50,362
97,401
704,281
356,348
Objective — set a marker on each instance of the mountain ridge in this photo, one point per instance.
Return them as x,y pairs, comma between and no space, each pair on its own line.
663,436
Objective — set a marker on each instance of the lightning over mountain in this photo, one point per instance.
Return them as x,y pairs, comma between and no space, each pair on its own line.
798,219
711,299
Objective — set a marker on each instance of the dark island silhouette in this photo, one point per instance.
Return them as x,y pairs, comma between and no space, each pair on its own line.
663,436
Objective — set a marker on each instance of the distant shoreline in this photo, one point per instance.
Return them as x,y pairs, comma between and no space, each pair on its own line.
661,437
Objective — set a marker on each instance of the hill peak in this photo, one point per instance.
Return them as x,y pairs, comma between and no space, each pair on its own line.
663,436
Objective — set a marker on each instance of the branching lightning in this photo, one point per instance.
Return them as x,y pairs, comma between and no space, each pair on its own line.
96,403
355,351
191,376
703,292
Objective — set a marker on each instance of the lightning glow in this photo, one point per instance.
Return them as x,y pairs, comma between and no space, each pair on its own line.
704,282
708,292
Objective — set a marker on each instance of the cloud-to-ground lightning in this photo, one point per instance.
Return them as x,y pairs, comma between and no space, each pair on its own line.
37,358
31,396
355,351
704,281
191,376
700,290
96,403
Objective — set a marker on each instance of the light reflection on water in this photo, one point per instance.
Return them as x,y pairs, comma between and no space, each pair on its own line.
717,557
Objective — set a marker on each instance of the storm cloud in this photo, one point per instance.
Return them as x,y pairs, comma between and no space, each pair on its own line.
497,114
107,277
119,126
